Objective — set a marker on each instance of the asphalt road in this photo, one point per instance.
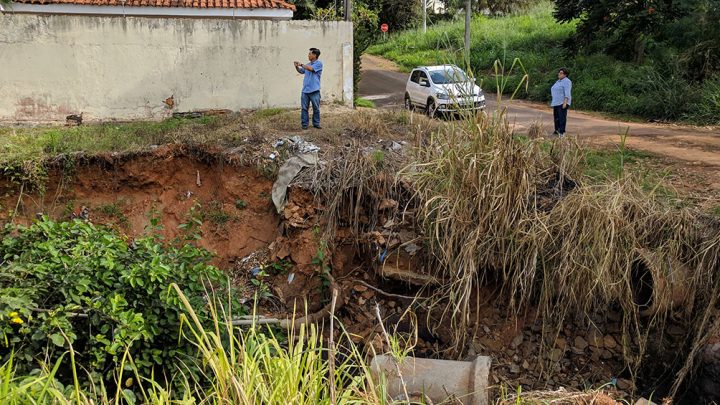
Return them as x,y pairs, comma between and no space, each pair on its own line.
384,84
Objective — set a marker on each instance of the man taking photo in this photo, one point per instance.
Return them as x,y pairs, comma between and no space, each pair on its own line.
311,88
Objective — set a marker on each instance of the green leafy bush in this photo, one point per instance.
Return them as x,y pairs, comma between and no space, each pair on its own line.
75,283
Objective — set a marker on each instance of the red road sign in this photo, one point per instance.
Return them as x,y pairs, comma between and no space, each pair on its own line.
384,28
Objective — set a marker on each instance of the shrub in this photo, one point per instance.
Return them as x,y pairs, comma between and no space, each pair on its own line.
75,283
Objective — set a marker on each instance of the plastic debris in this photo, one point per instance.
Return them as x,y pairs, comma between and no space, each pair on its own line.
291,277
255,271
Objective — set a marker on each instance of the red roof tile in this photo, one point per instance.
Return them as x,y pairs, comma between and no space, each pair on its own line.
278,4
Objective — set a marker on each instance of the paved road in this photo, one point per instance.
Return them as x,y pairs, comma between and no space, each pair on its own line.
383,83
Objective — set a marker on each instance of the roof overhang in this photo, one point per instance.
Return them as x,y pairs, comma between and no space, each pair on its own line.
129,11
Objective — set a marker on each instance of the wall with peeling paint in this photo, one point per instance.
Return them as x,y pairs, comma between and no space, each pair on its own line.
125,67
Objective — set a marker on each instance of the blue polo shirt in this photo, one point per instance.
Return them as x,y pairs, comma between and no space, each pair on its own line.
311,82
560,90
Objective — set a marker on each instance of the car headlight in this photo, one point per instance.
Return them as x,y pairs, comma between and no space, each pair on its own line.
443,96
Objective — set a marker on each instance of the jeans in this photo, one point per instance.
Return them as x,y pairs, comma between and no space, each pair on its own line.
560,116
305,100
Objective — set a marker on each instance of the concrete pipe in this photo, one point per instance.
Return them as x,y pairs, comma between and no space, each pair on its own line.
659,283
438,380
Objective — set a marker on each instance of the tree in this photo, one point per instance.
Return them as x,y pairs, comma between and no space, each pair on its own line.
365,32
493,7
625,29
398,14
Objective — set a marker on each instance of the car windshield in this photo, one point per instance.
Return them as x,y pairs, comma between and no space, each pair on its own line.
449,75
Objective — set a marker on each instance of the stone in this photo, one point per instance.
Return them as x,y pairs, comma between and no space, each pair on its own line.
526,365
643,401
595,338
561,343
580,343
514,369
486,329
517,341
609,342
556,355
675,330
606,355
624,384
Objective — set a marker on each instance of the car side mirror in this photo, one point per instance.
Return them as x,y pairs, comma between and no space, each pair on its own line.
424,83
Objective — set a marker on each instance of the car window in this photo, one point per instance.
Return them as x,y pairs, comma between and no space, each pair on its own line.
449,75
422,76
414,76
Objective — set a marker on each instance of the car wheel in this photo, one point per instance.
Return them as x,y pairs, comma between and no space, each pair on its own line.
408,103
431,109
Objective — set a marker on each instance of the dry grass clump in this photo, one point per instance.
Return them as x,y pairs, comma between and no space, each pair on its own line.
497,207
558,397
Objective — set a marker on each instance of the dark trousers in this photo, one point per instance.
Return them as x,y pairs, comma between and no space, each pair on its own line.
560,116
305,101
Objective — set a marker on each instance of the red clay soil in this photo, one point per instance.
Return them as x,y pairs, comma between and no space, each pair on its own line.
124,192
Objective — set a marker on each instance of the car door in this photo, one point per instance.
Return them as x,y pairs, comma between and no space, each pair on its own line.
423,92
412,85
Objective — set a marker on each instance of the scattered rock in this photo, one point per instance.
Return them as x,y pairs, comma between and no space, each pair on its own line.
606,355
556,355
624,384
676,330
643,401
514,369
580,343
486,329
609,342
595,338
561,343
526,365
517,341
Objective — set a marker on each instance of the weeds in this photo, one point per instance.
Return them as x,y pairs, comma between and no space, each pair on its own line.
113,210
240,204
363,103
217,215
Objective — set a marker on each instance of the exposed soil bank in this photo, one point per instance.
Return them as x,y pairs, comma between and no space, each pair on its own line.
177,186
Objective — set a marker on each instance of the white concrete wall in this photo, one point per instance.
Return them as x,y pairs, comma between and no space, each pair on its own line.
125,67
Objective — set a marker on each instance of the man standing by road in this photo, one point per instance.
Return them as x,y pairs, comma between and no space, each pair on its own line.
311,88
561,99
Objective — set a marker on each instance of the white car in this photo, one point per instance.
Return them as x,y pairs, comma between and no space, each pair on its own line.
442,89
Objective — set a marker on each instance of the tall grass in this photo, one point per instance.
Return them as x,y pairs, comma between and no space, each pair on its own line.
496,208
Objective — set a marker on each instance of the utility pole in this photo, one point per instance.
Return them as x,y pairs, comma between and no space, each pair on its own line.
468,14
424,16
348,10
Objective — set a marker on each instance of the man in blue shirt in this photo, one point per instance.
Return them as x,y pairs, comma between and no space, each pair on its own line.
311,88
561,93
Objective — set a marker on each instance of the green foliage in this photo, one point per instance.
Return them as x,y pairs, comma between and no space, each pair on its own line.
657,89
495,7
269,112
365,32
361,102
630,30
398,14
74,283
240,204
216,214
